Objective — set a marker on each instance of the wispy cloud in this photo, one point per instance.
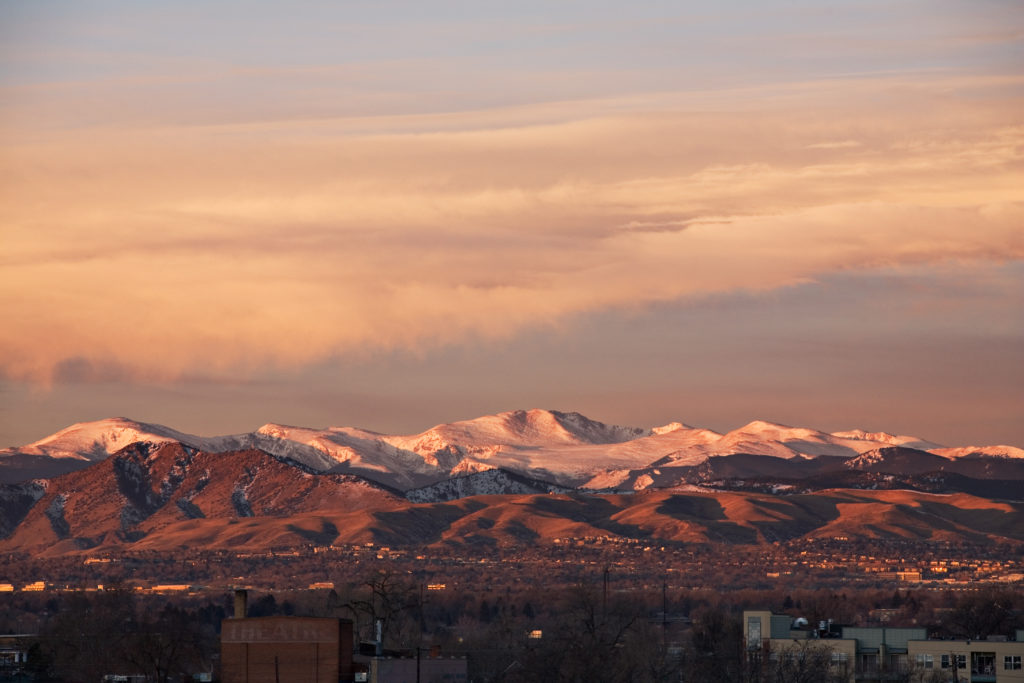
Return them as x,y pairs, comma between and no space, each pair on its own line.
836,144
167,250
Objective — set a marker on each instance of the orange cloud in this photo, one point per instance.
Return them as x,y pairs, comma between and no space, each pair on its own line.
165,250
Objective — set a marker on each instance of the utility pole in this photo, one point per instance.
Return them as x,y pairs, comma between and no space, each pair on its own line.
604,605
423,616
664,615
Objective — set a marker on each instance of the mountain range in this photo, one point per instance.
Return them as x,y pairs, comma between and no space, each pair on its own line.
511,477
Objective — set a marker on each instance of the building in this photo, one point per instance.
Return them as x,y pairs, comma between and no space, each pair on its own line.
318,650
994,661
774,640
284,649
856,655
423,669
14,654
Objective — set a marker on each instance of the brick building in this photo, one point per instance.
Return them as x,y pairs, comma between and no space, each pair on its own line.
284,649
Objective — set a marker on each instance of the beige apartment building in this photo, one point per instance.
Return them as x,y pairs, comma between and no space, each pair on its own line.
862,655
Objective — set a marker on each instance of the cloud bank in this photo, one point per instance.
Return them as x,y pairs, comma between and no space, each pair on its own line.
157,249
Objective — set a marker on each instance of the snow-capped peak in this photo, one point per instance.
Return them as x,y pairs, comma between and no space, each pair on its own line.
96,440
669,428
987,451
563,447
521,428
277,431
773,431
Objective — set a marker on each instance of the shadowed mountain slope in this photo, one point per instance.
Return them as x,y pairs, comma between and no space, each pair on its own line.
145,490
169,497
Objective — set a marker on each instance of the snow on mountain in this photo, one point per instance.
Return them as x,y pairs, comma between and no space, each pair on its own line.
898,459
96,440
598,465
285,449
866,460
756,438
670,427
491,482
986,451
348,449
518,428
564,448
886,438
782,441
678,447
561,447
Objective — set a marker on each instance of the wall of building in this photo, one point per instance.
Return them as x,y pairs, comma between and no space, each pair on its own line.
286,650
431,670
999,650
890,649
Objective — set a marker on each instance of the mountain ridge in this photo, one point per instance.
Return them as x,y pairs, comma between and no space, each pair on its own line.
167,495
564,448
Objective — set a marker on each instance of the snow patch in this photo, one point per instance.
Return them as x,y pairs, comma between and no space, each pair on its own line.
670,427
988,451
642,482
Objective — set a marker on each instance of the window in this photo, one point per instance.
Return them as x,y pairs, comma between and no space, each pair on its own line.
983,663
753,632
928,662
867,663
961,661
1011,662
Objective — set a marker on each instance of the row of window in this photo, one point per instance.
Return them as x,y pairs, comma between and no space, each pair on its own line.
1010,662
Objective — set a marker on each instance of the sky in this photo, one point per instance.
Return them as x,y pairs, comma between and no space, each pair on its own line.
389,215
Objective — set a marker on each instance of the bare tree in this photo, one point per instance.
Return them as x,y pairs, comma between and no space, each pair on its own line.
976,615
805,662
595,639
88,637
716,641
392,600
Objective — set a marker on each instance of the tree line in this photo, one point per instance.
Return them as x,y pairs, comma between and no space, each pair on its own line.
584,632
